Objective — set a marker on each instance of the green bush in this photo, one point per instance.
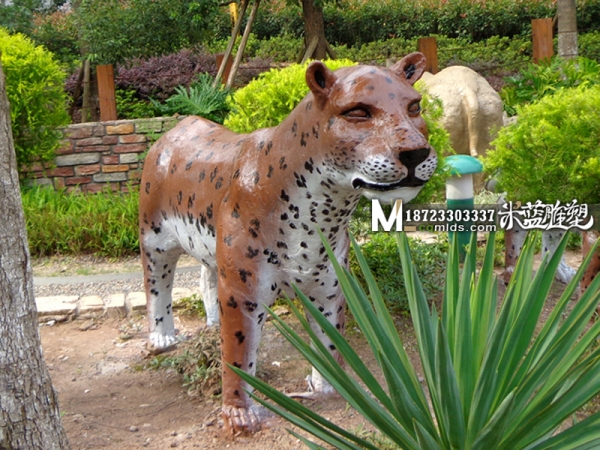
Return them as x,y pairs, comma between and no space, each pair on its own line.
131,107
201,99
17,16
493,378
381,253
589,45
112,30
270,98
551,153
280,48
34,85
357,22
57,31
538,80
69,224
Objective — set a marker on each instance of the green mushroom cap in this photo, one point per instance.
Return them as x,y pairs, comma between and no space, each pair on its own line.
463,165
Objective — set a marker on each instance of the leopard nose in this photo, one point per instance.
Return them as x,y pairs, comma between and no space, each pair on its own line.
412,158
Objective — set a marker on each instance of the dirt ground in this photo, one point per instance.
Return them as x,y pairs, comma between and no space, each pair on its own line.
109,402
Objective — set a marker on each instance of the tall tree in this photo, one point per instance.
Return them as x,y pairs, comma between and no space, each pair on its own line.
567,28
29,415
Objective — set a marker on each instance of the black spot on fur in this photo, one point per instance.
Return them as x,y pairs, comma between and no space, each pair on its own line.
244,274
250,306
284,196
147,187
235,213
252,252
232,303
254,228
213,174
227,239
240,336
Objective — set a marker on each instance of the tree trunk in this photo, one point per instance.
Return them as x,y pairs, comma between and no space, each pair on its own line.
567,29
314,26
29,415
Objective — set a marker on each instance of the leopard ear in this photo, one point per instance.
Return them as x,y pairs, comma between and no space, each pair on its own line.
320,80
410,67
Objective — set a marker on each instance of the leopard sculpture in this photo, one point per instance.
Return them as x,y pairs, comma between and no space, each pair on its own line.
248,206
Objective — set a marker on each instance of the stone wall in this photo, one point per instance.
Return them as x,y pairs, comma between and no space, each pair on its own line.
96,154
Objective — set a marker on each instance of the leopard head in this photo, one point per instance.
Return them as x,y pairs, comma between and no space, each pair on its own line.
373,128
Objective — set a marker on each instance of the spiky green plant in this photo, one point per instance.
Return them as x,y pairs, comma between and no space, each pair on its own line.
493,381
200,98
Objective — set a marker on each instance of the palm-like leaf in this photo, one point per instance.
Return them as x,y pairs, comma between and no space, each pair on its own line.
493,382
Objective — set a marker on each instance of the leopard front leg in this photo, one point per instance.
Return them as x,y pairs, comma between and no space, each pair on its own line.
159,271
242,316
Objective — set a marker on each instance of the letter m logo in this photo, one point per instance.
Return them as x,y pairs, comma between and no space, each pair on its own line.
378,216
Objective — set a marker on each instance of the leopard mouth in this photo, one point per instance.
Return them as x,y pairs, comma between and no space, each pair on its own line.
409,181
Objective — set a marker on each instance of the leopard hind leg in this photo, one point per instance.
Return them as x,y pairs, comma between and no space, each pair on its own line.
159,261
208,287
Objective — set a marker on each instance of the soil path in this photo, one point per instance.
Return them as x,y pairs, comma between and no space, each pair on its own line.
109,402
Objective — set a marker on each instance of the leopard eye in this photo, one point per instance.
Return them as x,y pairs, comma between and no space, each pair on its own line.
357,113
414,108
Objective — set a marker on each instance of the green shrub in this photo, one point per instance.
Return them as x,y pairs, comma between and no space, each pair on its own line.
68,224
356,22
493,378
131,107
538,80
113,31
589,45
34,85
270,98
381,253
201,99
551,153
280,48
57,31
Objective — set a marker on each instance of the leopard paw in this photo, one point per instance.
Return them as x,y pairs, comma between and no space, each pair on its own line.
242,420
163,341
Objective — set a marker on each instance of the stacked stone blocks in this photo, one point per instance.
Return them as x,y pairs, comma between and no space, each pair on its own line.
98,154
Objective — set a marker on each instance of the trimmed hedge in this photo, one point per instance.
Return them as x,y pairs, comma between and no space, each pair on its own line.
356,22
